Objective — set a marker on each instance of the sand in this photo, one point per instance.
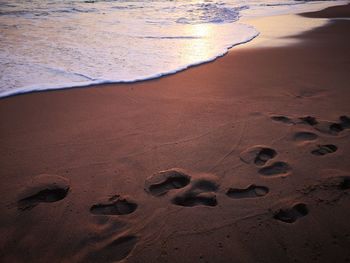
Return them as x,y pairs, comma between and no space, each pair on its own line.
244,159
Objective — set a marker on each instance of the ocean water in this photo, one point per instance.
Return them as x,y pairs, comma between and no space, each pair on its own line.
50,44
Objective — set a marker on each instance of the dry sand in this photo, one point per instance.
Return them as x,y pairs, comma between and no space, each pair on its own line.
245,159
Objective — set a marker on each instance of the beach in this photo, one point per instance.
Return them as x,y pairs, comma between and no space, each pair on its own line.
243,159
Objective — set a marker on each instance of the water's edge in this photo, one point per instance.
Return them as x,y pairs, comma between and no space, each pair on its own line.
86,84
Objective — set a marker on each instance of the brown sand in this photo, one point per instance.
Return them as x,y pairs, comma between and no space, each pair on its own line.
80,168
331,12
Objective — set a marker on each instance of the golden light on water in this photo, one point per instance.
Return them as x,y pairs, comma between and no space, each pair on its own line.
201,46
201,30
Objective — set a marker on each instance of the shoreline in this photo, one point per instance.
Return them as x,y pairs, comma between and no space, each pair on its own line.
259,182
260,22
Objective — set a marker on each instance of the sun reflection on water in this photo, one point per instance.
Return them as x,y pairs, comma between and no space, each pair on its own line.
201,46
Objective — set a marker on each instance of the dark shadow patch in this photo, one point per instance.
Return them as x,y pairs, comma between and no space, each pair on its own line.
344,183
251,191
290,215
330,128
264,155
335,128
201,192
282,119
305,136
162,182
259,155
345,122
44,188
43,196
116,206
193,199
309,120
277,168
204,185
324,149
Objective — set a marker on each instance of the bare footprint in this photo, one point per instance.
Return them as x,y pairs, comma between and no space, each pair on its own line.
114,251
251,191
334,128
310,120
327,127
344,183
258,155
160,183
330,128
116,205
192,199
44,189
345,122
339,182
324,149
304,136
201,192
282,119
277,168
290,215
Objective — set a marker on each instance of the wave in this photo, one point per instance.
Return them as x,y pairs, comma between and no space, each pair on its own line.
47,86
61,44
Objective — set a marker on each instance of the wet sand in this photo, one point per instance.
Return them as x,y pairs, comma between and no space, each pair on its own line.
244,159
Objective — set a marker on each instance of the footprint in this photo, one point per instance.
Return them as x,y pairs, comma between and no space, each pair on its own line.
344,122
44,189
251,191
340,182
330,128
344,183
277,168
282,119
116,205
192,199
206,184
114,251
309,120
201,192
160,183
264,155
334,128
305,136
258,154
44,196
324,149
290,215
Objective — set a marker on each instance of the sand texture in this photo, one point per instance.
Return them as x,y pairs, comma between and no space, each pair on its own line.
245,159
